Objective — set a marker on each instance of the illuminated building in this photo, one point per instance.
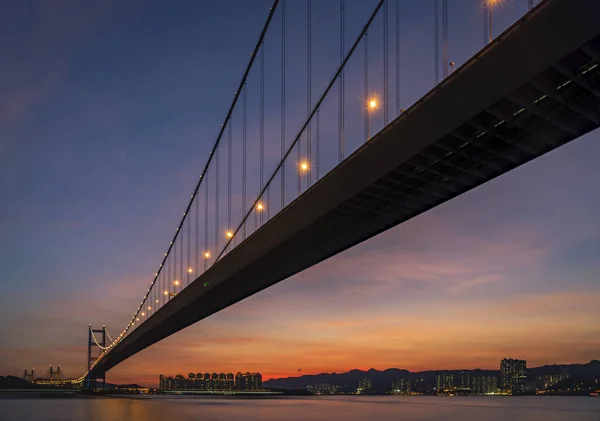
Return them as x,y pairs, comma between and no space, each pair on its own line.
512,375
484,385
231,381
323,389
364,386
401,387
208,382
444,382
248,381
465,379
547,381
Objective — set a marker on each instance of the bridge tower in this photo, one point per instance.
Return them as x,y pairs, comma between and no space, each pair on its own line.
29,375
94,342
55,374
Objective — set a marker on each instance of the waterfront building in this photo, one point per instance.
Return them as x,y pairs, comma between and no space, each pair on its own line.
547,381
211,382
444,382
513,375
484,385
364,386
401,387
248,381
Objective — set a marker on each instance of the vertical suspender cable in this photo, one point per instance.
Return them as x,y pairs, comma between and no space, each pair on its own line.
445,38
244,106
366,87
282,102
197,199
217,202
189,263
341,87
175,264
397,57
385,63
229,170
181,269
318,153
262,122
206,222
485,23
308,88
436,37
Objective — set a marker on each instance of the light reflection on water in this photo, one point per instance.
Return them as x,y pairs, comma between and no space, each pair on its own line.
347,408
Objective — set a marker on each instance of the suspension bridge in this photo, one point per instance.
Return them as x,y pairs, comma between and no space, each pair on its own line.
264,210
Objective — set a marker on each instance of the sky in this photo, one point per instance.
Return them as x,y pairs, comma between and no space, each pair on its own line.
108,111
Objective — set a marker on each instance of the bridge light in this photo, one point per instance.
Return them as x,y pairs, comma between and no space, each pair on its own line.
176,282
373,104
229,234
149,308
166,292
304,166
259,206
137,320
190,270
206,254
157,301
143,314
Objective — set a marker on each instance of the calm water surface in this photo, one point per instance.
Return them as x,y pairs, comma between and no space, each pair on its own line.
347,408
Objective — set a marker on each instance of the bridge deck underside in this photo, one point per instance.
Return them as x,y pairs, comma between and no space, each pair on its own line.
555,107
558,103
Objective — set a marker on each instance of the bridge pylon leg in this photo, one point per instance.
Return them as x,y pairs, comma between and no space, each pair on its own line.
91,382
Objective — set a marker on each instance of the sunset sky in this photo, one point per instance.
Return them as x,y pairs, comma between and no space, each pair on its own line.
107,113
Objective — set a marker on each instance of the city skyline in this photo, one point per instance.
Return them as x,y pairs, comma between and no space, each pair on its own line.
97,158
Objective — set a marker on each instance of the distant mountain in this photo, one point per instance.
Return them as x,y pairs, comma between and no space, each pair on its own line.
11,382
422,380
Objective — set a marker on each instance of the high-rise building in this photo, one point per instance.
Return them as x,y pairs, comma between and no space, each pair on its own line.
231,381
364,386
248,381
211,381
483,385
444,381
465,379
401,387
513,375
549,380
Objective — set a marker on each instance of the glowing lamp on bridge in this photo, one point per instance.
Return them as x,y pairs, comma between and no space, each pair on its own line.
143,314
206,254
373,104
190,270
149,308
176,282
229,234
166,292
304,166
259,206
